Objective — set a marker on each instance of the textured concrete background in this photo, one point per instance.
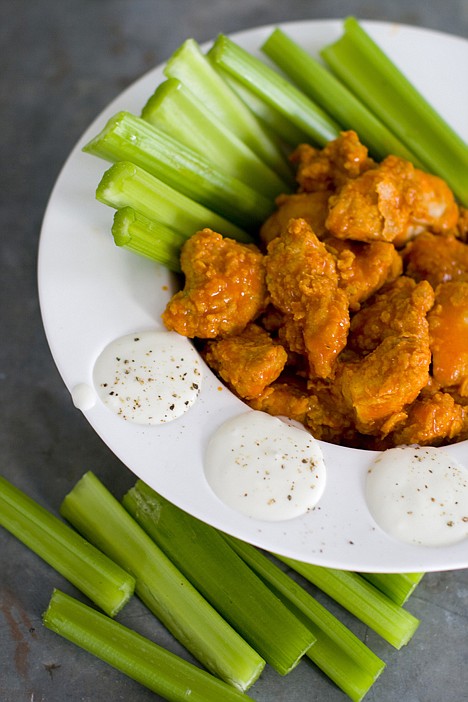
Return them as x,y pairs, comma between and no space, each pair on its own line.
62,61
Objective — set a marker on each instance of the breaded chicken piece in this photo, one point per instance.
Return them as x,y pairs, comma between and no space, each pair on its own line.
432,421
461,230
391,202
303,284
448,330
329,168
437,259
399,309
248,362
224,287
380,386
364,268
313,207
283,399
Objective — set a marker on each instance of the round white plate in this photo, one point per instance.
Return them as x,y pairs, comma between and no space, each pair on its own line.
92,292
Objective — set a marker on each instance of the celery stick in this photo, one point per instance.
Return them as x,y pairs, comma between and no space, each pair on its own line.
189,65
130,138
362,599
125,184
141,659
274,89
343,657
397,586
179,113
148,238
223,578
360,63
273,120
160,585
321,86
104,582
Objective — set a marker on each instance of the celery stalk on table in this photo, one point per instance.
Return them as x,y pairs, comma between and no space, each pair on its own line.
99,578
343,657
397,586
361,598
94,512
142,660
223,578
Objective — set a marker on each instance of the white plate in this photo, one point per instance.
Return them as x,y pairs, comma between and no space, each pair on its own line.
92,292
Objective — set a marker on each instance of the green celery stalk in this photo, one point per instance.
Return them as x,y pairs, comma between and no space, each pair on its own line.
142,660
363,600
223,578
274,89
104,582
179,113
92,509
148,238
361,65
397,586
190,65
273,120
125,184
343,657
129,138
320,85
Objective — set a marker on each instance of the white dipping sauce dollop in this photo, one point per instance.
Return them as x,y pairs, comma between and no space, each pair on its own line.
419,495
264,468
150,377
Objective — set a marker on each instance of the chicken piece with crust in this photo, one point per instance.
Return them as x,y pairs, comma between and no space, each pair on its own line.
432,421
283,399
313,207
392,202
436,258
378,388
448,329
329,168
224,287
399,309
364,268
302,283
248,362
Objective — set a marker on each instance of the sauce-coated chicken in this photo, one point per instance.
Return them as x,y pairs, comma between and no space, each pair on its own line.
351,315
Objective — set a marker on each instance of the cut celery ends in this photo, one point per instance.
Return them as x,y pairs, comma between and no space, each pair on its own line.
358,596
189,65
147,238
175,110
365,69
126,137
126,185
98,577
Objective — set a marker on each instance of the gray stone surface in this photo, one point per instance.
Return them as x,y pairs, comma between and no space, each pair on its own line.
62,61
